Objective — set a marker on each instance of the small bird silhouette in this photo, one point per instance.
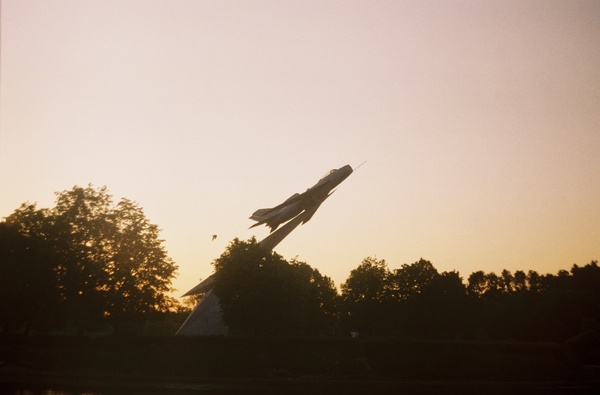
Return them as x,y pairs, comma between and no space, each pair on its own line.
214,237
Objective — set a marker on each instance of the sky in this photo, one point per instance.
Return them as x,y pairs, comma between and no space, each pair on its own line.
479,122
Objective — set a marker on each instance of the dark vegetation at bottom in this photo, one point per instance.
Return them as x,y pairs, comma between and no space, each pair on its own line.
264,358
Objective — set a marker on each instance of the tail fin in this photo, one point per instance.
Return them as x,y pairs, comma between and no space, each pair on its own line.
260,217
259,214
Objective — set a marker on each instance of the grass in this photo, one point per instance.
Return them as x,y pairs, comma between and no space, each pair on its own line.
161,365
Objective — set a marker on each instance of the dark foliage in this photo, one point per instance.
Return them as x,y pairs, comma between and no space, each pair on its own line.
262,294
416,301
81,266
345,365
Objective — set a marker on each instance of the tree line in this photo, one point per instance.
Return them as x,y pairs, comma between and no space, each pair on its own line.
88,264
263,294
417,301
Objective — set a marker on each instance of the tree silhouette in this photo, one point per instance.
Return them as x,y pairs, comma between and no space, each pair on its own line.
139,269
316,300
86,261
262,294
476,284
364,297
412,280
81,234
29,291
520,281
448,309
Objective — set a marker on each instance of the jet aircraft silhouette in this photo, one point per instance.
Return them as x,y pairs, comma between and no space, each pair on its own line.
303,205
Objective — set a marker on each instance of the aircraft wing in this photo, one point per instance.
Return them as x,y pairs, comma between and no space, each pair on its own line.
312,210
203,287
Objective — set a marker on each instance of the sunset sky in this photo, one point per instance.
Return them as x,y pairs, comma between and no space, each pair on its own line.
479,122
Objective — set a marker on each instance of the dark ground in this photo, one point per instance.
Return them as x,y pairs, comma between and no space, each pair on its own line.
182,365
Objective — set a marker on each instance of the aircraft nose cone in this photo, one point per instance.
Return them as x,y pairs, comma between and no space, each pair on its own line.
346,170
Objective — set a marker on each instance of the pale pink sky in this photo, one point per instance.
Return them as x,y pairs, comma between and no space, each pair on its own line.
480,122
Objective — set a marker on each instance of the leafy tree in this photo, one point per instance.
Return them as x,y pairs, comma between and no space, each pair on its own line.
520,281
447,287
506,282
29,293
587,277
428,303
493,286
485,285
412,280
262,294
476,284
446,310
571,298
139,269
86,260
82,232
364,296
534,281
414,300
316,300
368,282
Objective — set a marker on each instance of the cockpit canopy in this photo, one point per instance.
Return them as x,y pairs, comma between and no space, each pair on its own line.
328,173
